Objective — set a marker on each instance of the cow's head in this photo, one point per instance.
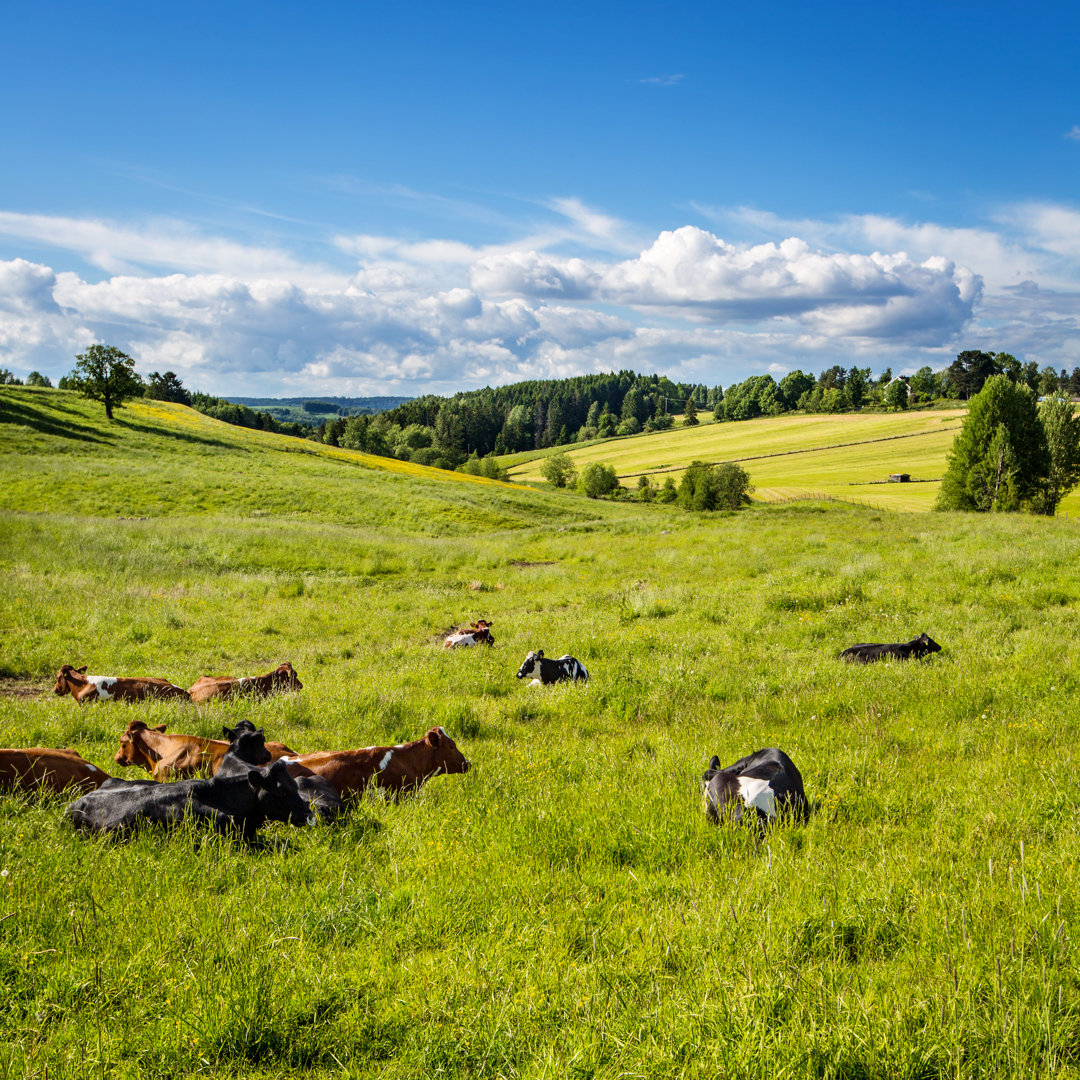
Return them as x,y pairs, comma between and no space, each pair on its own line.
284,678
133,750
728,797
250,746
447,756
66,680
928,643
531,661
241,726
278,796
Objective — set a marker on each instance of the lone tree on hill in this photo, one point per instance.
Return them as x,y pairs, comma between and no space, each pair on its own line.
999,460
105,374
690,413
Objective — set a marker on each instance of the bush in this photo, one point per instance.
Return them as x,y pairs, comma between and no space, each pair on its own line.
714,487
558,470
597,480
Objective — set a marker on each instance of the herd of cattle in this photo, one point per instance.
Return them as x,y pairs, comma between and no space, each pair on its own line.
239,782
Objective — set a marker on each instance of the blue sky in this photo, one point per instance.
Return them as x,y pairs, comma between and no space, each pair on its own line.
401,198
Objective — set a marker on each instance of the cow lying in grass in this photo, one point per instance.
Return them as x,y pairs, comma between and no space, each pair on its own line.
230,804
37,768
766,782
83,687
247,748
551,671
281,679
168,757
866,654
404,767
479,634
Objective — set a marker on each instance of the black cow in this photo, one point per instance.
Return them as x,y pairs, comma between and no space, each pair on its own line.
239,804
866,654
766,780
551,671
247,747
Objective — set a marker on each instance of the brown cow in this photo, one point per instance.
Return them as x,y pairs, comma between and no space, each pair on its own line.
225,686
171,757
396,768
56,770
83,687
480,634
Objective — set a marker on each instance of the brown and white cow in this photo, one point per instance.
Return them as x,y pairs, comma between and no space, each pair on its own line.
83,687
282,678
171,757
399,768
479,634
38,767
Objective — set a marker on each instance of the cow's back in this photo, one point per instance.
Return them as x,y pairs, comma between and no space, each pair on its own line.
39,767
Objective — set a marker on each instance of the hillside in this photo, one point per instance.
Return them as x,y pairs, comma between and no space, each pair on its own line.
564,909
160,459
844,456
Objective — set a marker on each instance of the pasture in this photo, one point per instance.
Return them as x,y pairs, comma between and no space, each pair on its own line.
844,456
564,909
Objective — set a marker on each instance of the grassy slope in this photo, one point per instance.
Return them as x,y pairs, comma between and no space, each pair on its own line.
563,910
847,472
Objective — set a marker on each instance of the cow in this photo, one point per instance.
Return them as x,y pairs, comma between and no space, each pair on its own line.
39,768
551,671
281,679
399,768
866,654
766,781
480,634
229,804
83,687
168,757
247,747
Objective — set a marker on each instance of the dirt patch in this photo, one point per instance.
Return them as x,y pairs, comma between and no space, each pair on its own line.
521,564
15,688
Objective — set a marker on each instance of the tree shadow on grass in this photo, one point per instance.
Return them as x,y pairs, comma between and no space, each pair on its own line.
13,412
181,436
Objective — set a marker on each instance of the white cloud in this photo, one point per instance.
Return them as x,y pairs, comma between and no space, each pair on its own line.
1073,133
439,315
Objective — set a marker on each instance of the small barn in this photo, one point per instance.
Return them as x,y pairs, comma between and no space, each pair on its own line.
899,478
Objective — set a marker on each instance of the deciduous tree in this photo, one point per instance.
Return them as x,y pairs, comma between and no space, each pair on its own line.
999,459
1062,426
103,373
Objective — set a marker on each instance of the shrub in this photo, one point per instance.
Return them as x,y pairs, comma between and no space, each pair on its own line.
714,487
597,480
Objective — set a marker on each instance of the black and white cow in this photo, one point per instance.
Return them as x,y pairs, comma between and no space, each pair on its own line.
247,748
866,654
765,781
551,671
239,804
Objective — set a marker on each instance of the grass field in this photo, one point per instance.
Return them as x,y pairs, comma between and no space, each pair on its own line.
564,910
844,456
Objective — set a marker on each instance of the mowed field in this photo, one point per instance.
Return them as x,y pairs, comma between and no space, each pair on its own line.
845,456
564,909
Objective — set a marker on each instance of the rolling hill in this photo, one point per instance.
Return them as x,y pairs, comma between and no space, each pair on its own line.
845,456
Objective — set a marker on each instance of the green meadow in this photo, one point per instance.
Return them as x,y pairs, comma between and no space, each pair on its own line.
564,909
844,456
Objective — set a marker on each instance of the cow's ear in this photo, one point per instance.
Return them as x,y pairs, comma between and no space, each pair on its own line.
229,733
539,654
161,728
256,779
715,763
82,670
433,737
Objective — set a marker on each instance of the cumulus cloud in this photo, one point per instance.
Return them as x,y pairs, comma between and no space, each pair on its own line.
393,316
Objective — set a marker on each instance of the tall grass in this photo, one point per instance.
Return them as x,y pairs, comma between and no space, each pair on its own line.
564,909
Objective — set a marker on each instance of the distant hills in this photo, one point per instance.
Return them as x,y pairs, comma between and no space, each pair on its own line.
312,409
